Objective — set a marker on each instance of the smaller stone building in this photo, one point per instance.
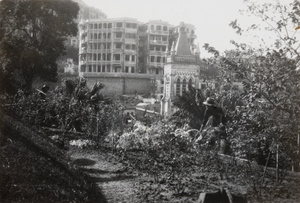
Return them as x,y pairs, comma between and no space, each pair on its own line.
181,70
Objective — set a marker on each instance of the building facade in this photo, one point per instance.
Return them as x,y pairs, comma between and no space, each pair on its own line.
181,70
108,46
127,48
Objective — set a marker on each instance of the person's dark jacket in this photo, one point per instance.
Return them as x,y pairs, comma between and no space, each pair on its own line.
218,116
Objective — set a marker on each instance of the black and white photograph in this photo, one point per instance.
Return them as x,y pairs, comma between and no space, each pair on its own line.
157,101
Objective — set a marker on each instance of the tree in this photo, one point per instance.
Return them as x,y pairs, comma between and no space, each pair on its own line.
32,35
191,110
270,77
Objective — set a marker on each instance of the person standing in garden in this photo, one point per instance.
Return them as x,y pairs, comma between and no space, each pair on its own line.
216,116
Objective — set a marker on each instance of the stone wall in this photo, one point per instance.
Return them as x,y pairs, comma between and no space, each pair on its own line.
121,83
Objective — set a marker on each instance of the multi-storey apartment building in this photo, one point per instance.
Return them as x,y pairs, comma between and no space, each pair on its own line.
112,48
154,40
108,45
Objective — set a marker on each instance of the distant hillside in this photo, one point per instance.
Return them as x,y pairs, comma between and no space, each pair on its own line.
34,169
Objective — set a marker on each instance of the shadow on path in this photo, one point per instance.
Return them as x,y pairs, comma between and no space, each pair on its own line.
84,162
111,178
99,171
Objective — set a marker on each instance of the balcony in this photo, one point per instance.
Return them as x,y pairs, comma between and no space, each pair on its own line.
160,53
130,63
130,41
118,39
159,42
129,51
117,61
157,64
118,29
117,50
131,30
159,32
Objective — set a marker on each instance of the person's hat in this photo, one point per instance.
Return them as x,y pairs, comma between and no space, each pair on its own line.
210,102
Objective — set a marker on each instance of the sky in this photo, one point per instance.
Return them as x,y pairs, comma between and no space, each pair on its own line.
211,18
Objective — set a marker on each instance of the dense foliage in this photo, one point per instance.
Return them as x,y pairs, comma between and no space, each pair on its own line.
73,107
32,35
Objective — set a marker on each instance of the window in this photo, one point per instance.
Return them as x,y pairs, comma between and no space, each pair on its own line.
117,57
126,69
158,59
190,82
94,68
103,57
108,68
90,68
96,26
95,57
118,45
108,57
99,57
103,69
130,36
132,58
118,34
108,46
165,28
127,46
109,25
127,57
158,27
184,85
119,24
156,71
132,69
177,87
82,68
99,69
91,26
117,69
152,58
99,36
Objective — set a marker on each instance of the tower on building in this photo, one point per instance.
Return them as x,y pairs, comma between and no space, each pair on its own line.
181,70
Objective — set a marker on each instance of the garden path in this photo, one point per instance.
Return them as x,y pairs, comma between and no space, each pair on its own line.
114,180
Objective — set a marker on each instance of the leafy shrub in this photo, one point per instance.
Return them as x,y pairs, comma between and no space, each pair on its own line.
74,107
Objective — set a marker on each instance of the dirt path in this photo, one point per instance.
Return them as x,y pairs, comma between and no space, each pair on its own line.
115,181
